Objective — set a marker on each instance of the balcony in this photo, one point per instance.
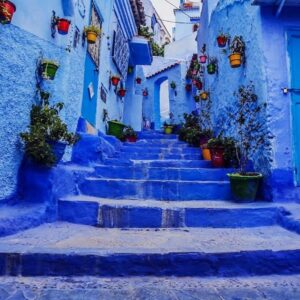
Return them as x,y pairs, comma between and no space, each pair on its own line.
140,51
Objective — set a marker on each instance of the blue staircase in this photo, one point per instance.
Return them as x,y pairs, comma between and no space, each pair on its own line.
155,207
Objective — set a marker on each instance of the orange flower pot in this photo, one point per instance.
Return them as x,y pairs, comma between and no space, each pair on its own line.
204,96
91,37
235,60
206,154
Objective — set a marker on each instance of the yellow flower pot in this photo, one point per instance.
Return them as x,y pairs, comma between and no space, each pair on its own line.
91,37
206,154
204,96
235,60
168,130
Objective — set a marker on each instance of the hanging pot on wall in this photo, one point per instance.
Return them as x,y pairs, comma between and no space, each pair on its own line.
204,96
235,60
48,69
199,85
145,93
7,10
222,41
122,92
203,59
188,87
138,80
63,26
197,99
115,80
211,68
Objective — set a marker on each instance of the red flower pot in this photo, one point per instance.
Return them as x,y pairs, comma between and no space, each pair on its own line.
138,80
115,80
131,139
199,85
188,87
7,10
122,93
63,26
145,93
203,59
217,157
222,41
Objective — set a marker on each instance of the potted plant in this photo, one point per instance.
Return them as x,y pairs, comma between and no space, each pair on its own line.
222,40
116,128
122,92
216,148
253,138
7,10
48,136
63,26
48,69
92,32
173,85
204,95
212,65
145,93
168,127
203,56
130,70
129,135
138,80
197,98
199,84
115,79
237,49
188,87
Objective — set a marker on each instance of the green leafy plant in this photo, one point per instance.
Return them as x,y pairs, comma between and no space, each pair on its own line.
129,132
92,28
156,49
173,85
46,128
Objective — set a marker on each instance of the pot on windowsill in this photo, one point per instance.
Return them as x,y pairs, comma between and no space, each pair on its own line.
244,187
7,10
48,69
63,26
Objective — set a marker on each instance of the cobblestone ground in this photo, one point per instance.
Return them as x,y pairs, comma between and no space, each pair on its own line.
152,288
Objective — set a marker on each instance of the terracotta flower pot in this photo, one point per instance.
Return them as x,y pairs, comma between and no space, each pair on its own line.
115,80
91,37
7,10
203,59
235,60
206,154
222,41
63,26
217,157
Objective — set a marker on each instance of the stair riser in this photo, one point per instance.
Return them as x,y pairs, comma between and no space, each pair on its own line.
144,155
157,144
146,173
156,150
108,216
157,136
156,190
246,263
158,164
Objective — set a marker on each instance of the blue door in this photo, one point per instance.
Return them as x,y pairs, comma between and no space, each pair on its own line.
91,74
294,51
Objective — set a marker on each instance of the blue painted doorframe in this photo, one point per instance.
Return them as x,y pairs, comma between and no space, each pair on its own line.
157,85
294,52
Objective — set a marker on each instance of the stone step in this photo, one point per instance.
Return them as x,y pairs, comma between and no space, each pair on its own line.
63,249
159,136
158,156
112,213
169,150
161,173
145,145
156,189
194,164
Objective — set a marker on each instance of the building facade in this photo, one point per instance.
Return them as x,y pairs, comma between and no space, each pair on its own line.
271,35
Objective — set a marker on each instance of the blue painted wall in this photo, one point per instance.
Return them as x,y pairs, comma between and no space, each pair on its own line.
267,66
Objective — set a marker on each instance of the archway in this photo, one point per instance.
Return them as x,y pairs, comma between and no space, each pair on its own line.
161,101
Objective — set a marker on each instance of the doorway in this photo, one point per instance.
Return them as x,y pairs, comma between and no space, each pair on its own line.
294,50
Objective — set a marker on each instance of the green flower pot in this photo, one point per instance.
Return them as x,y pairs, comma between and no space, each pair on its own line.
211,69
115,128
244,187
48,69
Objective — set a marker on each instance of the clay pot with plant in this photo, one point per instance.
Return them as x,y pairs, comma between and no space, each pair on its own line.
222,40
237,50
168,127
129,135
122,92
63,25
48,69
138,80
48,135
252,139
188,87
204,95
7,10
212,65
92,32
173,85
115,79
203,56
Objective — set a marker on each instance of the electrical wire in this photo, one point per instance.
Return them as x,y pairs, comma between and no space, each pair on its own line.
177,8
174,22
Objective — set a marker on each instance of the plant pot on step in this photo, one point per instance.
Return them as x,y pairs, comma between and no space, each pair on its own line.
206,153
115,128
131,139
244,187
58,149
235,60
7,10
168,129
48,69
217,157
